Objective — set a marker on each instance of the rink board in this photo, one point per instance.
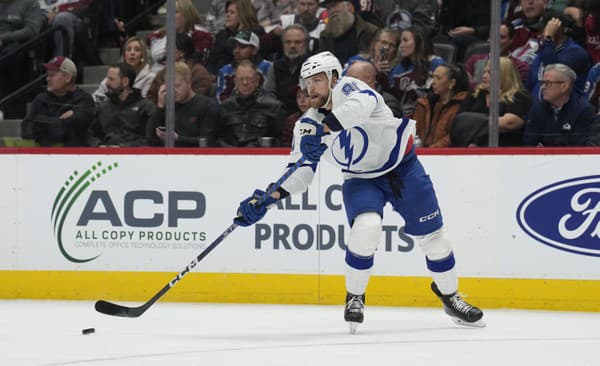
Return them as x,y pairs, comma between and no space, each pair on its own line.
525,227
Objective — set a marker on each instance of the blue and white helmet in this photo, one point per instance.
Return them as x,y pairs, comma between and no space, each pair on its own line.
321,62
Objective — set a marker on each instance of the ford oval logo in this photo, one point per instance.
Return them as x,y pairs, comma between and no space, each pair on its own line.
565,215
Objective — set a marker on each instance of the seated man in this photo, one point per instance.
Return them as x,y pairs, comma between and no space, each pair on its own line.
366,72
282,78
562,117
196,115
61,115
249,114
246,46
558,47
121,119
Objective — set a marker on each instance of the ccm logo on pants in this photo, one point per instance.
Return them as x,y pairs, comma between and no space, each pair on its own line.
431,216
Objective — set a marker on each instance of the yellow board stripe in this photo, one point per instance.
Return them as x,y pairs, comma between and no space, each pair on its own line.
488,293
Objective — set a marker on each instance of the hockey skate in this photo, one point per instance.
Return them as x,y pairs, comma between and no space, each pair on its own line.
461,312
353,313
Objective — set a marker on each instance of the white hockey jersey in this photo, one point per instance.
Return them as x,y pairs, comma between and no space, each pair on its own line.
371,142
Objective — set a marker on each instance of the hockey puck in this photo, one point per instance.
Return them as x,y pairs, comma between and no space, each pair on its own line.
88,331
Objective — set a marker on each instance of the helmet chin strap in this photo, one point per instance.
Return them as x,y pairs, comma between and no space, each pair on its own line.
330,93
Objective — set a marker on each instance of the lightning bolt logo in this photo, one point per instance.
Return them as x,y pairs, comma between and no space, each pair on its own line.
348,147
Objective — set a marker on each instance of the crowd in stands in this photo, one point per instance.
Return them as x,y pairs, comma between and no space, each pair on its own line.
238,63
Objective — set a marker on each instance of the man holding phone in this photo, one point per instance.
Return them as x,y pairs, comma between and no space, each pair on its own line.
196,115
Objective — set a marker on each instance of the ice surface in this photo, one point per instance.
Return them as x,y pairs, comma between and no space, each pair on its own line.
49,333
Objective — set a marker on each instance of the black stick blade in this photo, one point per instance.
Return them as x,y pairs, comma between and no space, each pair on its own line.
109,308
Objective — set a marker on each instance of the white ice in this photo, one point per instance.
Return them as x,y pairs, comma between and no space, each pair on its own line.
49,333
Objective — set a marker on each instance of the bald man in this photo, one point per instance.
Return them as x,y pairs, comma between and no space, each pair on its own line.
366,72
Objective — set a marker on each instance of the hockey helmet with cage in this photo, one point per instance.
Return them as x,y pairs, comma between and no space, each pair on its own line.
321,62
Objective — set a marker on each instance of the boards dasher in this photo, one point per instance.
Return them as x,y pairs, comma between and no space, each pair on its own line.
351,127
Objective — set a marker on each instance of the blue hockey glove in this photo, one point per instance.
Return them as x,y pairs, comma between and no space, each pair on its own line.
249,212
310,144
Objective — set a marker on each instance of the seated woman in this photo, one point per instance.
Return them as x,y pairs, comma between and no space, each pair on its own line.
469,129
411,78
187,20
135,54
436,111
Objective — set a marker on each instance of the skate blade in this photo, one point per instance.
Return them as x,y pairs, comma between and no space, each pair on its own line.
476,324
353,326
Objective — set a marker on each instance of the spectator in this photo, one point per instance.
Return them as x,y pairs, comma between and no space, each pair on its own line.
282,78
558,47
269,12
240,16
308,14
475,64
383,54
463,22
202,81
246,47
591,91
70,15
367,72
195,118
20,21
135,54
61,115
515,102
287,132
562,117
345,34
187,20
412,77
121,119
401,14
528,25
436,111
249,114
592,31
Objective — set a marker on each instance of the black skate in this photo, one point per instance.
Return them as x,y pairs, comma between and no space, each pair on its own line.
461,312
353,313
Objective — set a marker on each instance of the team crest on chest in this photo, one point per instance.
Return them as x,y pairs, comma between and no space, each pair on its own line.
349,147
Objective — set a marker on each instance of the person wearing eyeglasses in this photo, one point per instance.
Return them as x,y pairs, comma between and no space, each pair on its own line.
562,117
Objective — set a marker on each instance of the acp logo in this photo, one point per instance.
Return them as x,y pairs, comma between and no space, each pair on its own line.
71,190
565,215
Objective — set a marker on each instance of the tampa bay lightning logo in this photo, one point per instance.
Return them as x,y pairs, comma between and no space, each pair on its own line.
350,147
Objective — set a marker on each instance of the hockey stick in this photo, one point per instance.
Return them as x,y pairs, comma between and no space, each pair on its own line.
110,308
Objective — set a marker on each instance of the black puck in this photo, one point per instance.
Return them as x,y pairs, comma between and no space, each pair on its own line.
88,331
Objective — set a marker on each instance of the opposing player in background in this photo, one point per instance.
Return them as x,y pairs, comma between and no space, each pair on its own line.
351,127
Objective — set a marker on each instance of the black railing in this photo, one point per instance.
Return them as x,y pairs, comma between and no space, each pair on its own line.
36,60
37,40
132,24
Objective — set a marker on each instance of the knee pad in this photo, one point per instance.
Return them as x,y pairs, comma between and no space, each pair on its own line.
435,245
365,234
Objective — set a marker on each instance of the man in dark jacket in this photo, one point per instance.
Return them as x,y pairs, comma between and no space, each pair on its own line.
121,119
61,115
250,118
283,76
196,115
562,118
346,34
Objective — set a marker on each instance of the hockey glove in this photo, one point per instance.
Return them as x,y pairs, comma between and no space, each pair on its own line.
310,144
249,212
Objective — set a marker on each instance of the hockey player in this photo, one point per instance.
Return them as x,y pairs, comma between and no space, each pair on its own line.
351,127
